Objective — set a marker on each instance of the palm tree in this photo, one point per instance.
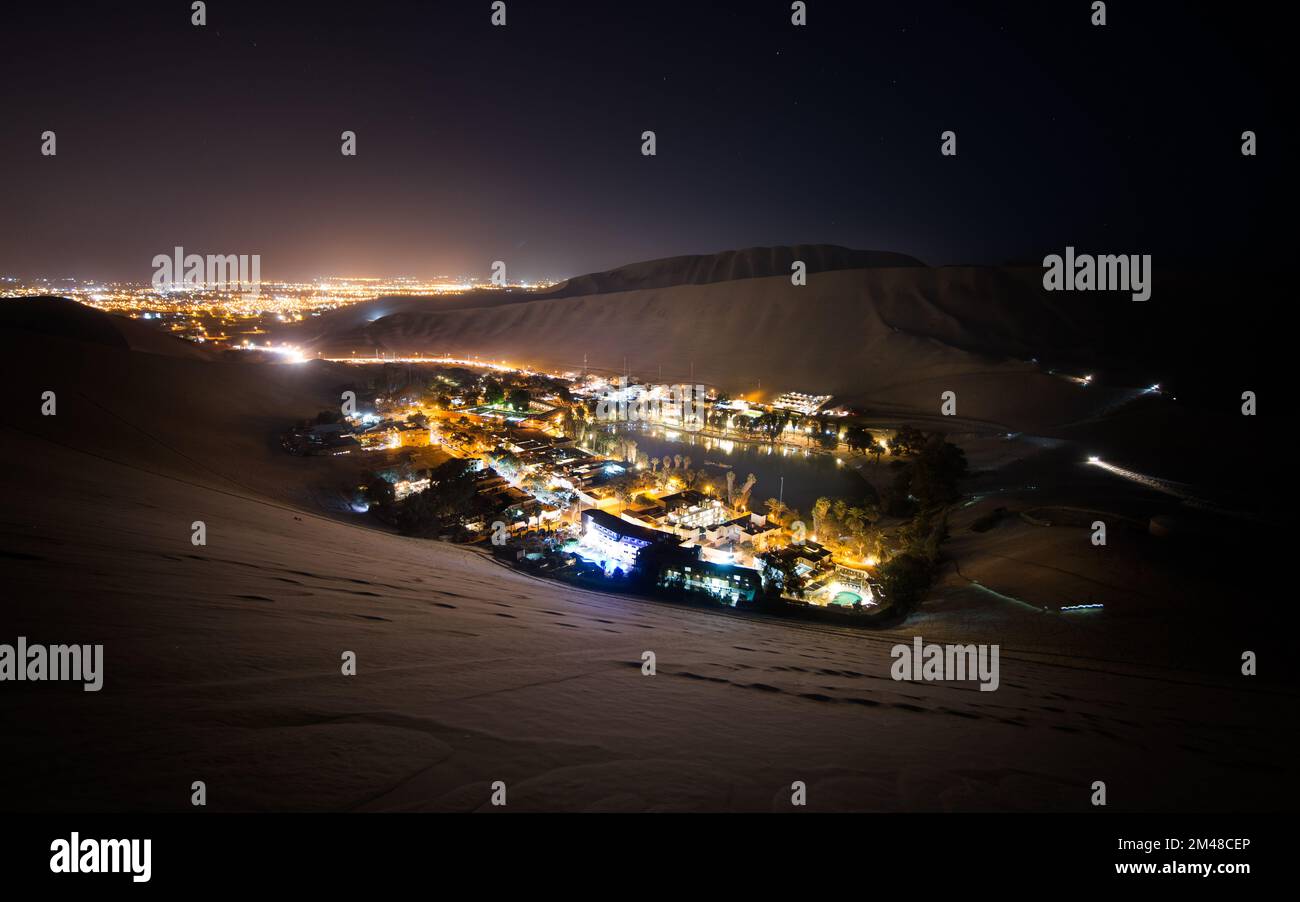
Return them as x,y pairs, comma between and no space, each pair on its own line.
821,513
774,509
742,500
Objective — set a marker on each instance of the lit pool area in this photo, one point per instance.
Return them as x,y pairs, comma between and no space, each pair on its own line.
846,598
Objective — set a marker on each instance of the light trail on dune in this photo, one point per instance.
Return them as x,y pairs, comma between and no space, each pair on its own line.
1167,486
1180,490
495,365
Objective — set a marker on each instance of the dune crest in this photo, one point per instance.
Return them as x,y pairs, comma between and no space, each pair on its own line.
869,327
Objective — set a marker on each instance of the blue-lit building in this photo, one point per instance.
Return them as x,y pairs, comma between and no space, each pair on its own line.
659,559
613,542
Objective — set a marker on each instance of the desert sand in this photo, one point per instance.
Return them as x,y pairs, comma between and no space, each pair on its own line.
223,661
892,335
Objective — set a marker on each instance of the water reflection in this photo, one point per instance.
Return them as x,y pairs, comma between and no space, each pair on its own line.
807,474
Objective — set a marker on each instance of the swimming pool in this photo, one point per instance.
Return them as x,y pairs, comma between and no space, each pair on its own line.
847,598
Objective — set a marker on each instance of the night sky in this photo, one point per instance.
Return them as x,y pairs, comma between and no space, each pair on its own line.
522,143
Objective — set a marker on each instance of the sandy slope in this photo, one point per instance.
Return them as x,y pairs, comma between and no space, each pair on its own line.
728,266
893,338
54,317
223,661
222,665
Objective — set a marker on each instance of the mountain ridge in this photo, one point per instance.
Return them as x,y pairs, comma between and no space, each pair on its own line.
728,266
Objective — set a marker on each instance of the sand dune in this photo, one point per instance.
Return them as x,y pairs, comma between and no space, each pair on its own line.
222,665
57,318
728,266
875,329
222,661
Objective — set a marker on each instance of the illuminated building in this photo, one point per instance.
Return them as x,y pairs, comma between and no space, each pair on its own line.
801,403
723,581
690,509
612,542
